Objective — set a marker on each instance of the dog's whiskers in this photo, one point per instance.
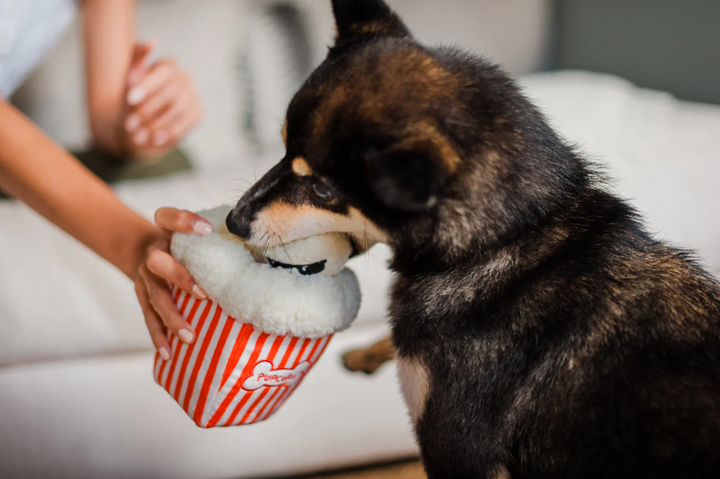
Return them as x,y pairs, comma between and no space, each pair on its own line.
365,252
284,248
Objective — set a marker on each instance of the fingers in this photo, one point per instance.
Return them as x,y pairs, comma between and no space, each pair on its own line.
154,79
153,322
166,118
160,298
163,265
174,123
174,220
164,107
158,270
172,128
154,106
138,66
171,115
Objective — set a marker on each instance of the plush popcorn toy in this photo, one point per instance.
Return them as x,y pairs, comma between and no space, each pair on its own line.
269,317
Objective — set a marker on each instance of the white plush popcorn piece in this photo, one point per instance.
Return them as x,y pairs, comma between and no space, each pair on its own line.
280,300
331,251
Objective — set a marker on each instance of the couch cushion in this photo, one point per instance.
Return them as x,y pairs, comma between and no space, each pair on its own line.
660,153
106,418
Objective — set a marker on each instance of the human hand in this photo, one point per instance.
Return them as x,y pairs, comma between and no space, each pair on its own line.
159,271
162,105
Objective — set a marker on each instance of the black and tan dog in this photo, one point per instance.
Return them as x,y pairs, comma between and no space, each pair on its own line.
540,331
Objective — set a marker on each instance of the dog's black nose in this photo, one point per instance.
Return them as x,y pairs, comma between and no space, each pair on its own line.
237,226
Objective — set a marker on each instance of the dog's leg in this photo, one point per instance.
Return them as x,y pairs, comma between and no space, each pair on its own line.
370,359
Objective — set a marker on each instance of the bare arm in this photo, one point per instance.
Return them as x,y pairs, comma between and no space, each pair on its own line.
53,183
109,31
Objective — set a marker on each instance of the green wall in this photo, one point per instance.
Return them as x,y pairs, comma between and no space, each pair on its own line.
671,45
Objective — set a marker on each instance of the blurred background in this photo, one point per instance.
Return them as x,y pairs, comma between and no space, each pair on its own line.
634,83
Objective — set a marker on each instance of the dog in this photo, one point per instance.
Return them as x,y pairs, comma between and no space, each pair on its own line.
540,331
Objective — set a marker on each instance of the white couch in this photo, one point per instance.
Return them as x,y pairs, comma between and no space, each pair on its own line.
77,398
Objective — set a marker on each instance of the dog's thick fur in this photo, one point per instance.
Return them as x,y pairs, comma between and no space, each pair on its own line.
541,332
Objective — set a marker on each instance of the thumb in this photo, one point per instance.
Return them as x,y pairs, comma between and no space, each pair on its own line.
138,67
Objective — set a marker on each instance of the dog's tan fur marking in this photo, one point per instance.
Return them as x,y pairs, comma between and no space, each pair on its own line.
377,28
502,473
301,167
414,384
283,222
284,133
333,101
423,133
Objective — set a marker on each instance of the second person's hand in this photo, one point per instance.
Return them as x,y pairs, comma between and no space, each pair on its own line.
162,105
158,271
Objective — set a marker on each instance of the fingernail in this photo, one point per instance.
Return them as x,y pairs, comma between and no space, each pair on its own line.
202,228
164,353
136,95
141,137
199,292
160,138
133,122
186,335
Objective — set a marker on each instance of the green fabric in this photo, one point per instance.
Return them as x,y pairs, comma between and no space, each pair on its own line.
112,169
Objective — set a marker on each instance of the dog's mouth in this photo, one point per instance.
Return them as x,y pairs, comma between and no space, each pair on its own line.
356,249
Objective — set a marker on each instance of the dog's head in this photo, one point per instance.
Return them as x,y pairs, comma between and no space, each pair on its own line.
391,141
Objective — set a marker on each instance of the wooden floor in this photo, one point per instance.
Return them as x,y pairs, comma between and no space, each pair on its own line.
406,470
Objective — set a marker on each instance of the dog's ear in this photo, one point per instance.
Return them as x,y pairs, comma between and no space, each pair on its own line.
366,18
405,179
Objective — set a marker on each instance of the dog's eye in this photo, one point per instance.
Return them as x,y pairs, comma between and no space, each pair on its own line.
322,191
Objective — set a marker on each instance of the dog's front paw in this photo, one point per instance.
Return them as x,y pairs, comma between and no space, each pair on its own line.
369,360
361,360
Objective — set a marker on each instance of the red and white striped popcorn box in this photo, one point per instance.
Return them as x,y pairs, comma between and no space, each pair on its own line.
262,329
233,374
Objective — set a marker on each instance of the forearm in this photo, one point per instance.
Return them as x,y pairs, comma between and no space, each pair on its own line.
53,183
109,32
